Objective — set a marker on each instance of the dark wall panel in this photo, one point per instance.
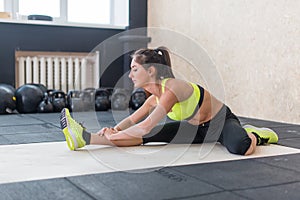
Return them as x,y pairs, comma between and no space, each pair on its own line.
46,38
138,13
14,36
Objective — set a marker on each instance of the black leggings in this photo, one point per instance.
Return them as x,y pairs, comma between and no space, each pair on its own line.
224,128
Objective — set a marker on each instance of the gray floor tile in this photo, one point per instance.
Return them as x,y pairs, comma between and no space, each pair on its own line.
27,138
290,142
58,189
160,184
104,116
278,192
290,162
240,174
29,128
4,141
91,120
219,196
288,132
262,123
52,118
17,119
94,186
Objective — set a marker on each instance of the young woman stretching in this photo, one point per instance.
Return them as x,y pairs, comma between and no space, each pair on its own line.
196,115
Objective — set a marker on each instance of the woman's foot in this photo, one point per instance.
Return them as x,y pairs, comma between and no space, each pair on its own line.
264,135
72,130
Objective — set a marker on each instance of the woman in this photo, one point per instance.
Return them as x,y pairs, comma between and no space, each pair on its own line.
196,115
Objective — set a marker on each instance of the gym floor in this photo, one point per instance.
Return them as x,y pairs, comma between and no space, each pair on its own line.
276,177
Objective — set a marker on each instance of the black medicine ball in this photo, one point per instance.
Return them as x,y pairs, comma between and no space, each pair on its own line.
28,98
7,98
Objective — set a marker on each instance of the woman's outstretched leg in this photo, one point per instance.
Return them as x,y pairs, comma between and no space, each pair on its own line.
102,140
77,137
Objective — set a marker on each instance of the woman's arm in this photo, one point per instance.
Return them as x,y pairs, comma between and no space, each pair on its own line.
134,118
138,115
124,124
166,102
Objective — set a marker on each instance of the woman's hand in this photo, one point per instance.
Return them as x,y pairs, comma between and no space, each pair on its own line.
107,130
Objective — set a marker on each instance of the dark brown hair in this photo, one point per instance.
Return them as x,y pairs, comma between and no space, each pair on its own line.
158,58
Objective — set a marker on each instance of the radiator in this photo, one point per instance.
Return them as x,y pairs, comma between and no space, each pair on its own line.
58,70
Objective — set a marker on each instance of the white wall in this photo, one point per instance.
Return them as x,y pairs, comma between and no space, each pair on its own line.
255,45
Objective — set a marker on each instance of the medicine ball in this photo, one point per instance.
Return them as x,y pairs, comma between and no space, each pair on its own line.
41,86
120,99
28,97
7,98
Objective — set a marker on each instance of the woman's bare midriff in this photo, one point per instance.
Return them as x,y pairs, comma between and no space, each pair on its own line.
209,108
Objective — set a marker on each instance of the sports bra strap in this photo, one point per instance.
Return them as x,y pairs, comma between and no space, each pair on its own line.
163,84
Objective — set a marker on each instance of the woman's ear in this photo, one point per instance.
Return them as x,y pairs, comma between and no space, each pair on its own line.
151,71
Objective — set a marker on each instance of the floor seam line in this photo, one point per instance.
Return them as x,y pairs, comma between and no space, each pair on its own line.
196,195
79,188
280,167
265,186
197,178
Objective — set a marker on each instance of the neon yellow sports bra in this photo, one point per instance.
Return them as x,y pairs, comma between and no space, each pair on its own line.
186,109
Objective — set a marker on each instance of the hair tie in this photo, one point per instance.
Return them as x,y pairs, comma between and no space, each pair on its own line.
159,52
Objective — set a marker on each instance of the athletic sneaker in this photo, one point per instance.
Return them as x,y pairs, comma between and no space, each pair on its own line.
72,130
265,135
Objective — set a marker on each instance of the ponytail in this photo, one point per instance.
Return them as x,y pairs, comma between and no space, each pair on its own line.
159,58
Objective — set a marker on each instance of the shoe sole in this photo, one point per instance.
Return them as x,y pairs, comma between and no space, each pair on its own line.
263,129
69,135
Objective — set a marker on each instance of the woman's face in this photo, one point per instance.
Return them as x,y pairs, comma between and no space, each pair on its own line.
139,75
